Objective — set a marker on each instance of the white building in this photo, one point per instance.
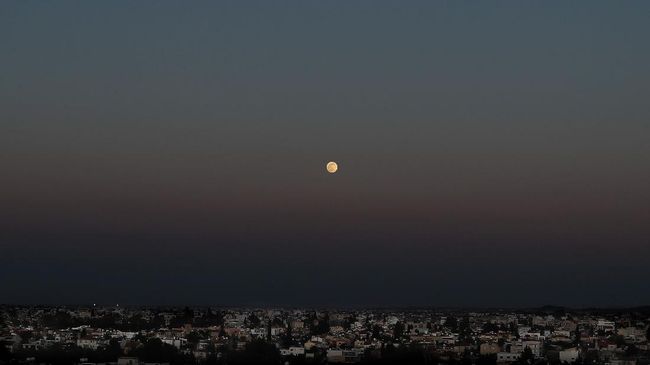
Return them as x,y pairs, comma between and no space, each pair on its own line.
128,361
569,355
489,348
607,326
88,343
507,357
344,356
176,342
293,351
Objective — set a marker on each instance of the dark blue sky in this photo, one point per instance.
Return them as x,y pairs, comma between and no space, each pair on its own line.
491,153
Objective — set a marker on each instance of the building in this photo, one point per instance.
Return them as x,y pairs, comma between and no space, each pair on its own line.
128,361
344,356
489,348
508,357
607,326
293,351
569,355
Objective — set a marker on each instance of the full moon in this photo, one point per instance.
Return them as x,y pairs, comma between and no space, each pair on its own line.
332,167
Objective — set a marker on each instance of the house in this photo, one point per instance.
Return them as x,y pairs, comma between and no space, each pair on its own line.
569,355
534,346
344,356
606,326
88,343
293,351
489,348
507,357
128,361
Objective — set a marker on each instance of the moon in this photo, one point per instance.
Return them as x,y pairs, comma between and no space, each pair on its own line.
332,167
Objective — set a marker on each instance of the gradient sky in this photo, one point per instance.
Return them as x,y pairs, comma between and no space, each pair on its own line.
490,153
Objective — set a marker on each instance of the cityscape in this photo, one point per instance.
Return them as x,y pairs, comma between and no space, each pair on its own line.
435,182
103,335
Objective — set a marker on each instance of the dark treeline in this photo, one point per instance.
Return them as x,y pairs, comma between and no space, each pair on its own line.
256,352
62,319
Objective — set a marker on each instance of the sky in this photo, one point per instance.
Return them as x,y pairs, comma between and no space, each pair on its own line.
173,153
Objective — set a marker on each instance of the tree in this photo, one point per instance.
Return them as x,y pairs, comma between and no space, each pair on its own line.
136,323
451,323
376,331
402,355
188,314
61,319
212,318
321,326
140,338
577,338
398,330
618,340
631,350
487,360
527,356
513,329
287,338
109,320
4,352
591,357
490,327
255,352
465,331
253,321
154,350
113,350
158,321
25,336
193,338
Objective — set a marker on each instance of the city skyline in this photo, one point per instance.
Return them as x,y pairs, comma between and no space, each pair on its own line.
112,335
